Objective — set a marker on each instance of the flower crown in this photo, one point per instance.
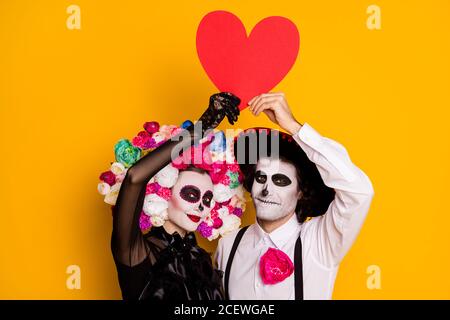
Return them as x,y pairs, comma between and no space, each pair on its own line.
216,158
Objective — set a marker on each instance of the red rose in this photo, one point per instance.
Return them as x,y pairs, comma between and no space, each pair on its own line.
164,193
141,140
275,266
217,223
151,127
152,188
108,177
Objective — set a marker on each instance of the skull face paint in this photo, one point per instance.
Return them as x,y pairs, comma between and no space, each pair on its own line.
275,189
191,200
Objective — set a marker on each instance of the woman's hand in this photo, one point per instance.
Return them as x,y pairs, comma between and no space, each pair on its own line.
275,106
221,105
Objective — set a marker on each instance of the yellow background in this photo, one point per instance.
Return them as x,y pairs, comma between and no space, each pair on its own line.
67,96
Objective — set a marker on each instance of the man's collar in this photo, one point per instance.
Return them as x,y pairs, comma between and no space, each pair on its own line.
278,236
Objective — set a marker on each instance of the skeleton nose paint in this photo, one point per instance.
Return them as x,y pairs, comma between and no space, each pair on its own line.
265,192
275,189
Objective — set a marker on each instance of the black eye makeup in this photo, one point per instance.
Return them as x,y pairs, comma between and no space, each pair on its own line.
207,198
260,177
190,193
281,180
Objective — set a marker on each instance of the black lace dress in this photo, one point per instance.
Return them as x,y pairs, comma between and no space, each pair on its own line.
176,269
158,265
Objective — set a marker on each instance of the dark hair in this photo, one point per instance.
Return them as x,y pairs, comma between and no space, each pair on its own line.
194,169
315,195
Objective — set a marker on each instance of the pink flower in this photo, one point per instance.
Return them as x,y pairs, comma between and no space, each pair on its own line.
218,171
151,127
109,177
197,156
152,188
175,131
275,266
217,223
142,140
179,164
214,213
200,157
154,140
166,130
226,203
120,177
237,212
225,180
164,193
204,229
137,141
144,221
236,201
234,167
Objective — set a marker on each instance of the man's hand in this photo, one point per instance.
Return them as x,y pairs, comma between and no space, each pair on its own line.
275,106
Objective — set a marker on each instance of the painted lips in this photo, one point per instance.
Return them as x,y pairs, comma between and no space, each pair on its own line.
194,218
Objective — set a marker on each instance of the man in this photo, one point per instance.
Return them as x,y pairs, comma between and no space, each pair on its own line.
310,202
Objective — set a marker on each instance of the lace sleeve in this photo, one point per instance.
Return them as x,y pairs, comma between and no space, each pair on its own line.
127,242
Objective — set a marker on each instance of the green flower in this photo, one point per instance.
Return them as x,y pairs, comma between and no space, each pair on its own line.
234,179
126,153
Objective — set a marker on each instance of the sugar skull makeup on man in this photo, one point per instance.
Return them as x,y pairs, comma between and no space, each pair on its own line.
275,189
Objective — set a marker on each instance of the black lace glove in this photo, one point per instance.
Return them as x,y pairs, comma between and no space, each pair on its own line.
221,105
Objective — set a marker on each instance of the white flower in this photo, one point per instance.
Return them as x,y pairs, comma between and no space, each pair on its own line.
167,177
118,168
239,192
165,130
157,220
229,152
154,204
120,177
111,197
222,193
231,222
158,137
223,212
209,221
238,200
164,214
218,156
215,233
103,188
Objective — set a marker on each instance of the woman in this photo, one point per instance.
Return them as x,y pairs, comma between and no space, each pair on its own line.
166,263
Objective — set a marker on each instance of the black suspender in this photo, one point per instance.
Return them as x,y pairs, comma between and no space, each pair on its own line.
298,266
298,269
230,259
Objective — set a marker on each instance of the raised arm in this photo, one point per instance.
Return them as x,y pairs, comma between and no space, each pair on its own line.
127,243
334,232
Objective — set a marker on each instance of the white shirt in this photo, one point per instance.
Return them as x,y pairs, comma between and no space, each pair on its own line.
325,239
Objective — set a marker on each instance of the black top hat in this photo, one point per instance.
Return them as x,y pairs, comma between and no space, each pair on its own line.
253,143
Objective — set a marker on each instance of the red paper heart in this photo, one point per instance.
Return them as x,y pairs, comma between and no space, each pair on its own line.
246,66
